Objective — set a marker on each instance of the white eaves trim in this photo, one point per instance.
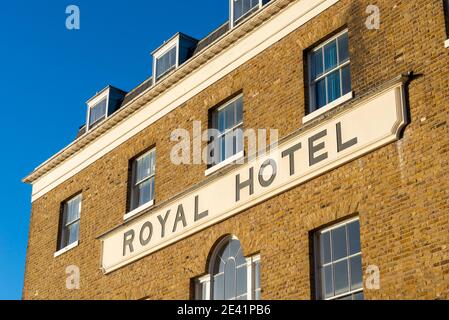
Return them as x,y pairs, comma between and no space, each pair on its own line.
446,43
246,48
228,161
328,107
66,249
138,210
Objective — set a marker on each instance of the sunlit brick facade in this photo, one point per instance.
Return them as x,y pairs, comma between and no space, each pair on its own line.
370,125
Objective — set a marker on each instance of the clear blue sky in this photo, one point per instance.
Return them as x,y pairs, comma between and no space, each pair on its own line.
48,72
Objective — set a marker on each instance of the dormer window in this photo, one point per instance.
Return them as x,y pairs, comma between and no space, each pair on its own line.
97,113
167,62
242,9
102,105
171,55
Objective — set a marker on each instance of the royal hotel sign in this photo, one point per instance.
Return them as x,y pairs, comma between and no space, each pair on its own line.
356,131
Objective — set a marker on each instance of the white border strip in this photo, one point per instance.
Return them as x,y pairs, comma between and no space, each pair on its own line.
66,249
138,210
328,107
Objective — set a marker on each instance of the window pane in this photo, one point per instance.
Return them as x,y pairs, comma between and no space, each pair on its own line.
320,93
239,111
339,249
341,274
317,64
346,79
230,272
152,163
241,7
327,282
98,112
343,47
257,275
230,116
226,253
325,248
73,231
221,121
145,192
238,9
230,280
64,238
201,290
166,62
230,143
143,168
356,273
330,55
333,86
222,156
219,287
246,5
341,277
73,210
224,120
242,280
239,139
354,237
204,286
234,248
172,56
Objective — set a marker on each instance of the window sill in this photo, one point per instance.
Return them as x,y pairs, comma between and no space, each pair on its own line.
138,210
224,163
446,43
328,107
66,249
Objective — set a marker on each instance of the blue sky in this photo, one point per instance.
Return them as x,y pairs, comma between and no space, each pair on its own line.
48,72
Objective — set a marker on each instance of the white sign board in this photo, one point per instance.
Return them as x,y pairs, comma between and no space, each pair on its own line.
360,129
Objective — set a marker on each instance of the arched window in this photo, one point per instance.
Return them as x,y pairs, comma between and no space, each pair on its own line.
231,275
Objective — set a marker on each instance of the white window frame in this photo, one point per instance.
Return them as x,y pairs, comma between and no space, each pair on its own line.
136,211
206,280
161,52
239,155
93,103
317,253
313,112
200,283
89,125
63,225
242,18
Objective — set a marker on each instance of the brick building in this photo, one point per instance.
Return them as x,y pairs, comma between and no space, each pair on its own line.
352,203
